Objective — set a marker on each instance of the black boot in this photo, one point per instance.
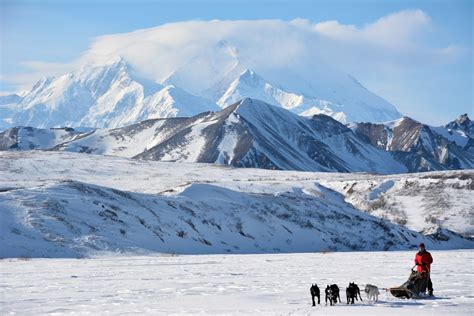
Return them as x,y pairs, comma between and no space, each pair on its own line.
430,286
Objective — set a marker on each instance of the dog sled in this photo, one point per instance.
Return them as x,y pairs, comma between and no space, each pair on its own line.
413,288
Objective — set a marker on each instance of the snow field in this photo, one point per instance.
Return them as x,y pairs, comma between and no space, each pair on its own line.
276,284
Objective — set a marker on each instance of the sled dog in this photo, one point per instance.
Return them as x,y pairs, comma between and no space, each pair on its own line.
372,292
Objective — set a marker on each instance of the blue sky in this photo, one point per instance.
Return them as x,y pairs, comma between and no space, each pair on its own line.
60,31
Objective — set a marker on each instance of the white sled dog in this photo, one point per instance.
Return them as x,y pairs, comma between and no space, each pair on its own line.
372,292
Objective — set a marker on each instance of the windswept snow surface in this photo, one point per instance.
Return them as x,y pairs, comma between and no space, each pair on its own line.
276,284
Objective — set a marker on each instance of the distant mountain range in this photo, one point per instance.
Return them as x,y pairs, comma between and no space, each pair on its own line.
252,133
111,94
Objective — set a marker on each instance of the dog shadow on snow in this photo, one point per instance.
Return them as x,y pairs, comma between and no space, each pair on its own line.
379,303
404,303
394,304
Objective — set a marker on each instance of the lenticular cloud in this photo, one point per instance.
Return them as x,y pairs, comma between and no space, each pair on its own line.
207,50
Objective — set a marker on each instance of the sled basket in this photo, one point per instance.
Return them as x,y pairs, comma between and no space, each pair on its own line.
402,292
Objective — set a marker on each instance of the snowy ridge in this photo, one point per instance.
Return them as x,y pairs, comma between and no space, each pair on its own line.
460,131
324,140
418,146
251,85
252,133
156,207
249,133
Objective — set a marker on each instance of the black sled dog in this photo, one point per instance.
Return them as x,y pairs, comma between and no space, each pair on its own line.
332,294
314,290
351,292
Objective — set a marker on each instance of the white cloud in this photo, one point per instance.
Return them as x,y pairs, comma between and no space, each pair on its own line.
397,30
335,30
400,29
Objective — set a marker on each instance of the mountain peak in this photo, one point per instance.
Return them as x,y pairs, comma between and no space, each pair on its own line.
252,105
106,95
249,101
116,61
403,121
463,119
462,123
116,64
247,72
250,78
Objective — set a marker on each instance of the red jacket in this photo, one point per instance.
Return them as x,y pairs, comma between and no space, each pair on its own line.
423,260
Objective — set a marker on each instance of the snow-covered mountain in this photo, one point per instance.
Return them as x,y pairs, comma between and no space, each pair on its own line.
192,75
251,85
252,133
58,204
421,147
249,133
462,125
105,95
460,131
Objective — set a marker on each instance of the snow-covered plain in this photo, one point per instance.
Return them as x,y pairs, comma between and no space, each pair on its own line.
276,284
